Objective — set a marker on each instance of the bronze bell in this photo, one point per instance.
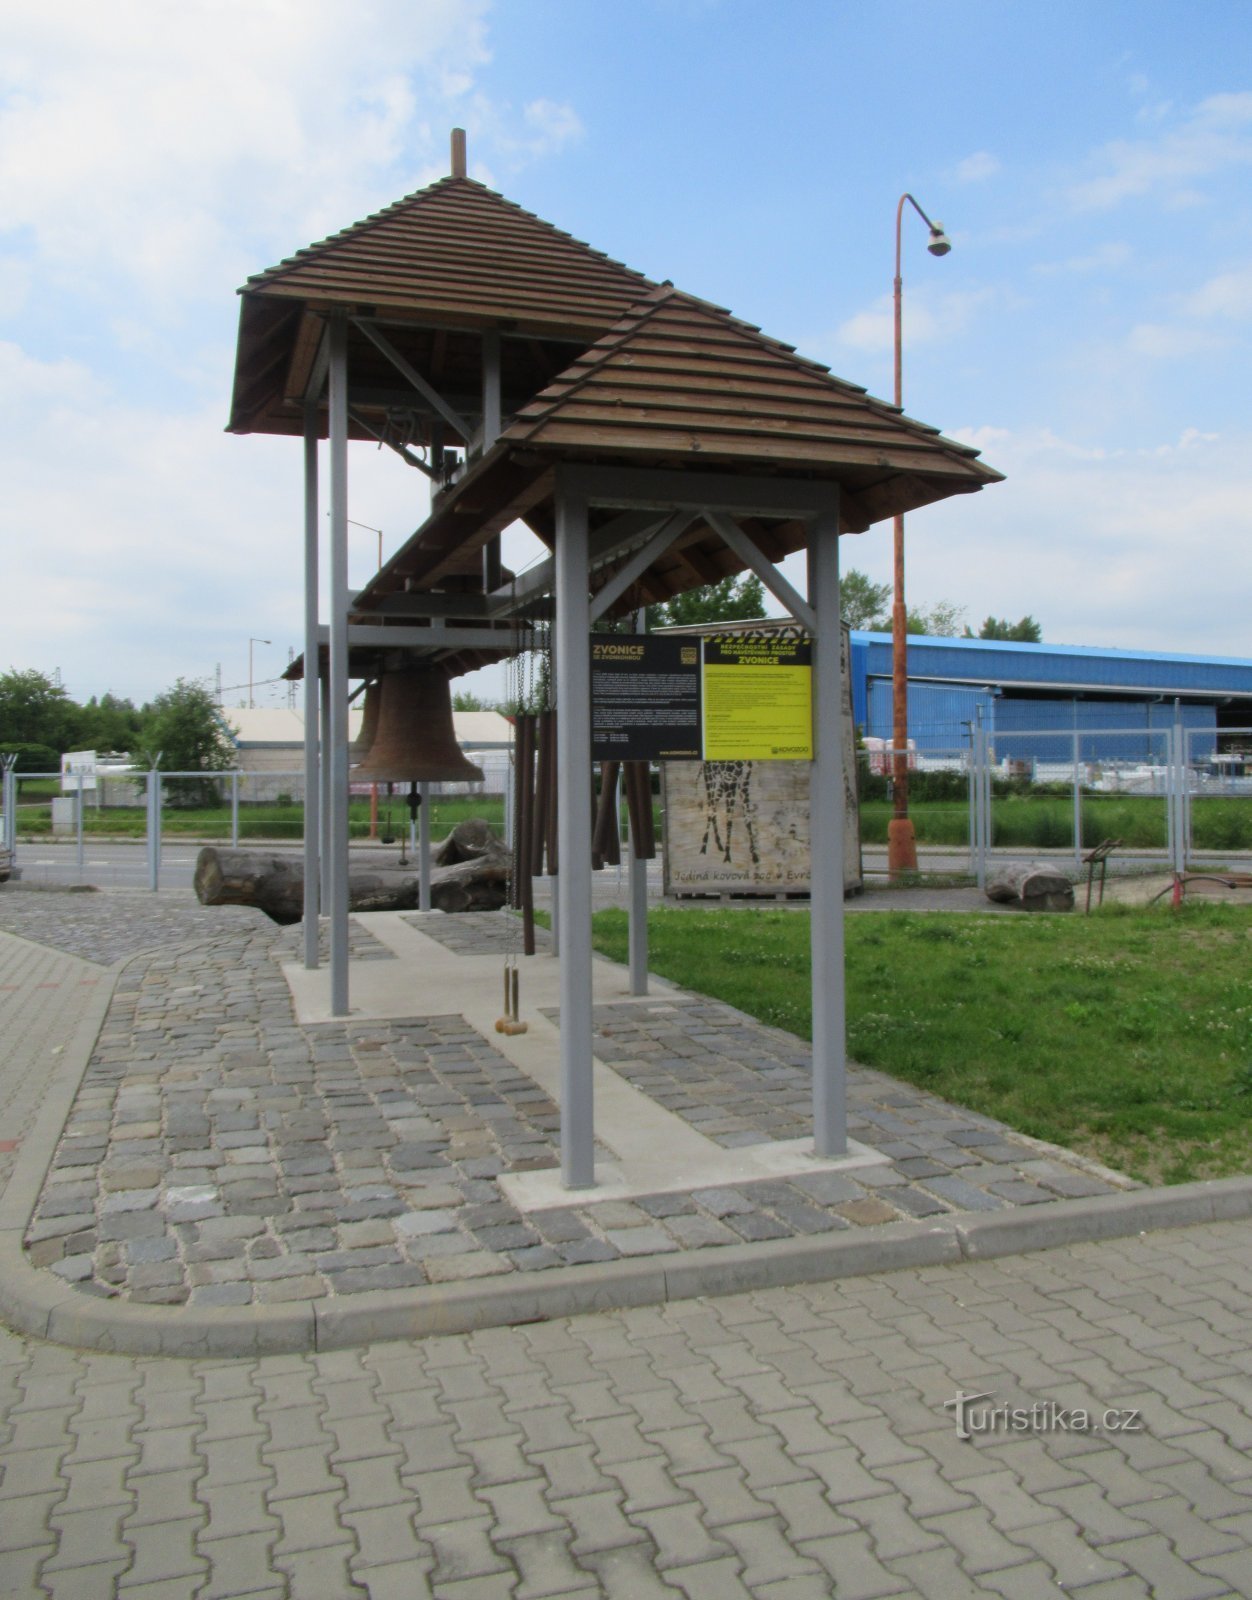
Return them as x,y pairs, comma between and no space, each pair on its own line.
414,741
363,743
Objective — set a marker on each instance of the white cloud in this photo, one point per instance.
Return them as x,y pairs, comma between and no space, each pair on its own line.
976,168
168,145
1229,294
929,317
149,543
1217,134
1105,547
1164,341
1107,257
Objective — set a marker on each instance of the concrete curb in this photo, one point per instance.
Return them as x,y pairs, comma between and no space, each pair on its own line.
31,1303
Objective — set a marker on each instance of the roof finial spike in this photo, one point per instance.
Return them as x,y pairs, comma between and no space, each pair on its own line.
458,152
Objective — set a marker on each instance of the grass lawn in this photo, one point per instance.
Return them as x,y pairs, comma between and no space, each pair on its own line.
1126,1035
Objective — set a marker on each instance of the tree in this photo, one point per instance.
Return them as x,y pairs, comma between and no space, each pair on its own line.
1027,631
863,604
110,723
736,599
36,710
186,727
942,619
465,700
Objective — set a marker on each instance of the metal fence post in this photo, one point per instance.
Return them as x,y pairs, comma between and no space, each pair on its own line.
234,810
154,828
1077,802
78,825
9,837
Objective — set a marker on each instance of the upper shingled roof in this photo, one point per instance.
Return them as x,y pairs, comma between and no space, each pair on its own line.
461,254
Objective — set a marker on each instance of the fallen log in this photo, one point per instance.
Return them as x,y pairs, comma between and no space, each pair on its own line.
1032,886
274,883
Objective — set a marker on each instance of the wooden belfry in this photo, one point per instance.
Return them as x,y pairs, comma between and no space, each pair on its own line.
652,441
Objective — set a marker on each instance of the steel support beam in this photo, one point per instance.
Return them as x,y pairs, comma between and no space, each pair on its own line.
753,557
406,370
603,545
434,635
573,884
338,742
655,489
826,824
639,563
312,775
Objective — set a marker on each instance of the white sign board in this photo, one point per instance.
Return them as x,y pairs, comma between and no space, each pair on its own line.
78,771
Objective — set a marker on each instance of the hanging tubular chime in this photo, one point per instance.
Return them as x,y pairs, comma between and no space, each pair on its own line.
520,887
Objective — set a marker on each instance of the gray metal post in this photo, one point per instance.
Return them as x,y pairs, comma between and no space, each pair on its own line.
323,691
827,804
637,926
1077,794
78,822
8,765
154,829
573,896
312,772
234,810
423,847
980,765
338,751
1176,785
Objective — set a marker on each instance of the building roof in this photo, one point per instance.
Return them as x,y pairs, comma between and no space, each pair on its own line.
276,725
680,383
1073,668
452,259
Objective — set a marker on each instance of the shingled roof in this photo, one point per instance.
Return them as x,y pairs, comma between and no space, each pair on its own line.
680,382
455,256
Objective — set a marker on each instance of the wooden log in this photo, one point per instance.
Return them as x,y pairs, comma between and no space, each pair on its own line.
1034,886
275,883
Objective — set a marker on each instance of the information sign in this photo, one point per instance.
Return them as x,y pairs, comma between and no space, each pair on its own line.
724,697
758,702
78,771
645,698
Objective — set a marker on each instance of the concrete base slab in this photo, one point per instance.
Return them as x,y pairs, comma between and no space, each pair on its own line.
650,1150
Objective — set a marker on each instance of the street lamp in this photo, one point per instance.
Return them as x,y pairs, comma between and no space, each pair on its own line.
251,642
369,528
901,842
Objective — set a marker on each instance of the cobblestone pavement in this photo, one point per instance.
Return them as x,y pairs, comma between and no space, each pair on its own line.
108,925
788,1445
218,1154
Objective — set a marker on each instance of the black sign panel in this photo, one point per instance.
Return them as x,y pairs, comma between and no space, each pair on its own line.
645,698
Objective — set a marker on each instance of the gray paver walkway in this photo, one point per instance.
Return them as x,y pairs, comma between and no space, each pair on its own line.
219,1154
787,1445
790,1444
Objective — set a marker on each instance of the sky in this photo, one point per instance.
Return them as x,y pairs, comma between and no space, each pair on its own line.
1090,332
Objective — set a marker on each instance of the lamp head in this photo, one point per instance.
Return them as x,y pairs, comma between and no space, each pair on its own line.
939,244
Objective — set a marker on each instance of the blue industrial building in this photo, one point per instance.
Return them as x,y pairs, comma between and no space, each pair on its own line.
1035,698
